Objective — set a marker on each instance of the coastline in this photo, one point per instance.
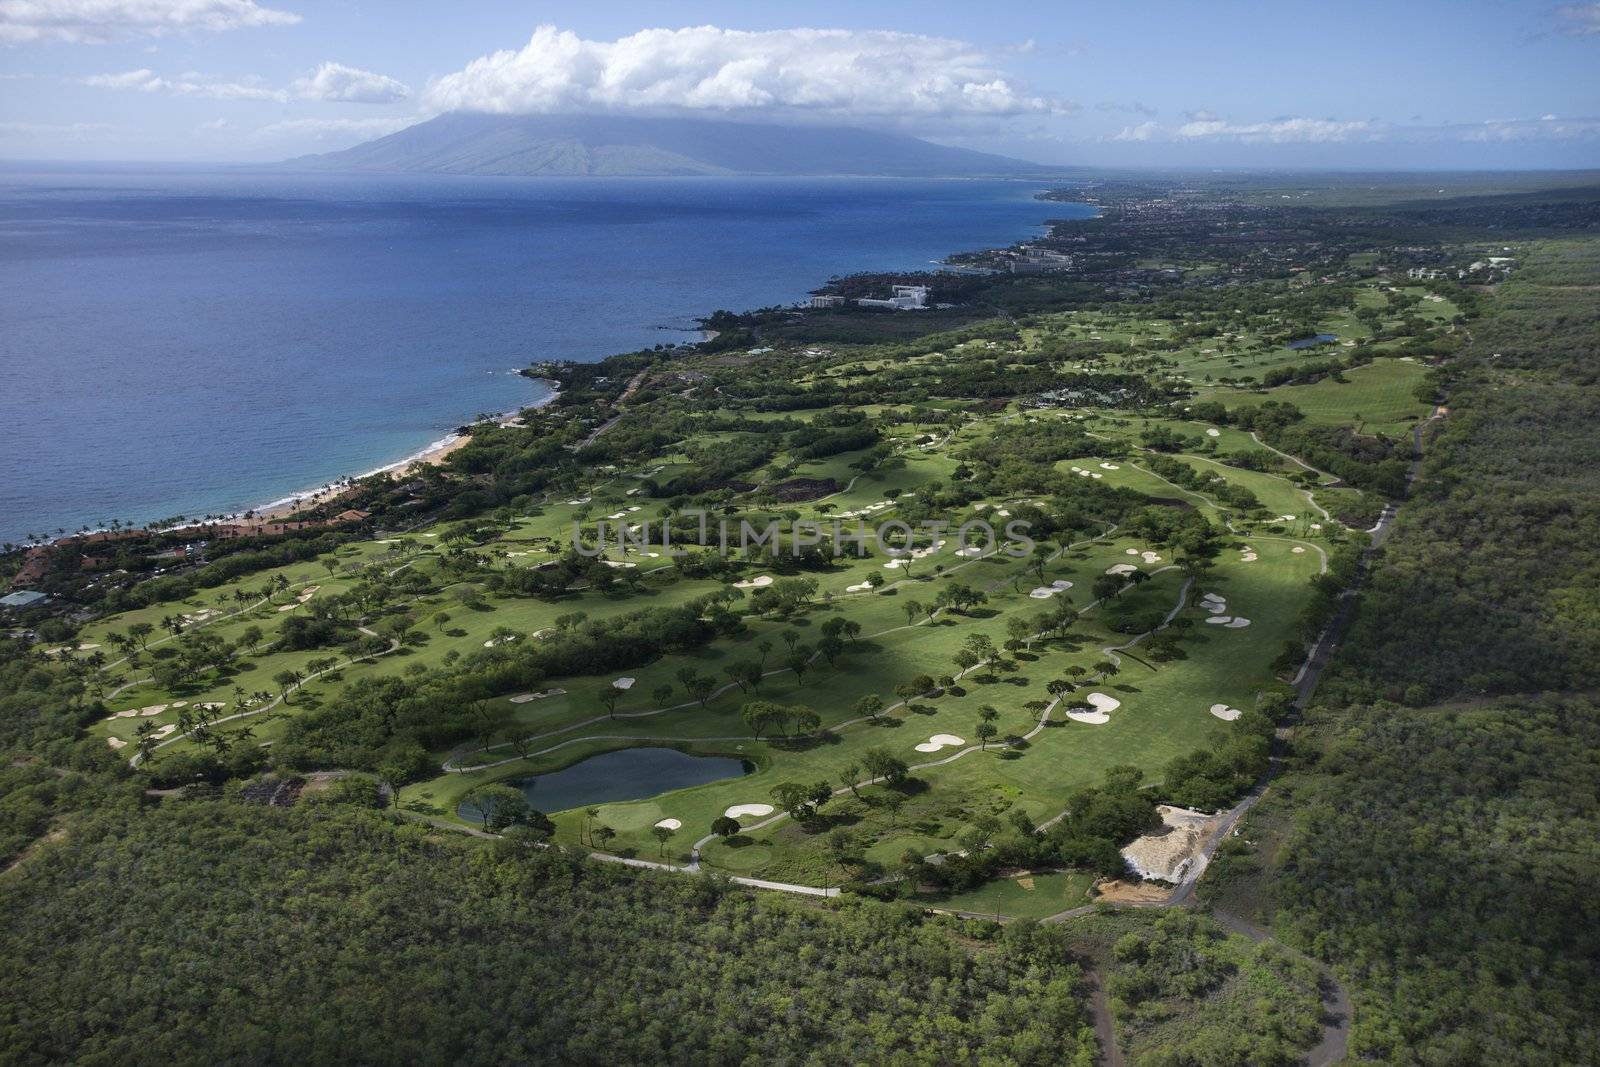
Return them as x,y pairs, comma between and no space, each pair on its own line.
430,456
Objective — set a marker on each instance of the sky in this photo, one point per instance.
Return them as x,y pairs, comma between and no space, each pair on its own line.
1224,83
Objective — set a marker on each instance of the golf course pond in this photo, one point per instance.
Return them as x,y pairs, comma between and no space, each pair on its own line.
626,774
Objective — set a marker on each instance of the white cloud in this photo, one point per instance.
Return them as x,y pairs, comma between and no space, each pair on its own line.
98,21
1145,131
1545,128
1579,20
337,82
830,74
1277,131
147,81
70,130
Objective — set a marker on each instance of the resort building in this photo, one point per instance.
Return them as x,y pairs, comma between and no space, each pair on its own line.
902,298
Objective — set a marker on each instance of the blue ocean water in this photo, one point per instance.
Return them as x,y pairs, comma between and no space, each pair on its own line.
187,343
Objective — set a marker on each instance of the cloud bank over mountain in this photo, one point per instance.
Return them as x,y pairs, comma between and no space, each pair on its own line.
795,74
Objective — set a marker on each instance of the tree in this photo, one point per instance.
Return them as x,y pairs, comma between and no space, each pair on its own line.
660,695
850,778
881,763
600,835
985,731
662,834
758,715
700,686
870,707
912,608
831,646
795,799
499,805
590,814
608,697
798,660
725,826
286,680
440,619
893,802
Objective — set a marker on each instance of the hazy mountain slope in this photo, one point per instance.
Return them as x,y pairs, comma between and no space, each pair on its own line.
598,144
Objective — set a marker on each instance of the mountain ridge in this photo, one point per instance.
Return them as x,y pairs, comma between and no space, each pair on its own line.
611,145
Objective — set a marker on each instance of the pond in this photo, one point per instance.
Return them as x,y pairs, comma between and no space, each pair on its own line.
627,774
1313,341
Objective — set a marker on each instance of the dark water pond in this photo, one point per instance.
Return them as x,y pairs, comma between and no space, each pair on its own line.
627,774
1313,341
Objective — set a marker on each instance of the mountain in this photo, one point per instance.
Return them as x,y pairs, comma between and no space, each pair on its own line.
466,143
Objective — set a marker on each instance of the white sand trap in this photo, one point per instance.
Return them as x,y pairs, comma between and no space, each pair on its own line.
1220,620
212,705
623,683
1212,598
1121,568
1248,557
525,698
1168,854
288,607
1150,557
178,704
1110,467
969,551
758,582
757,810
1044,592
670,824
1003,513
116,742
614,563
1132,551
130,713
501,641
1238,622
1089,718
859,587
1060,584
164,731
1095,474
636,507
153,709
1213,433
1298,549
1225,713
1102,702
1316,526
1286,518
938,741
894,564
618,515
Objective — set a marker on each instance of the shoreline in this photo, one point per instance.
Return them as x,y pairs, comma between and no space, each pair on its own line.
429,456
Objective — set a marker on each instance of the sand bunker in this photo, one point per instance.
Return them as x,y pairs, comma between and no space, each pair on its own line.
1168,854
153,709
1286,518
164,731
670,824
116,742
493,641
1298,549
969,551
1150,557
1044,592
1213,433
1131,551
623,683
526,698
757,810
1220,620
938,741
614,563
1102,705
1110,467
859,587
1121,568
758,582
1238,622
1248,556
1225,713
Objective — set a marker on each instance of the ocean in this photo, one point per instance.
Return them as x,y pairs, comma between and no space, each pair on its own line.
183,342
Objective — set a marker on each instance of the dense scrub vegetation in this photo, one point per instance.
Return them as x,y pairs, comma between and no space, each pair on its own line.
207,932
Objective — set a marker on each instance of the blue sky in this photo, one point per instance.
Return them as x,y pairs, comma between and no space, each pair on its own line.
1469,83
